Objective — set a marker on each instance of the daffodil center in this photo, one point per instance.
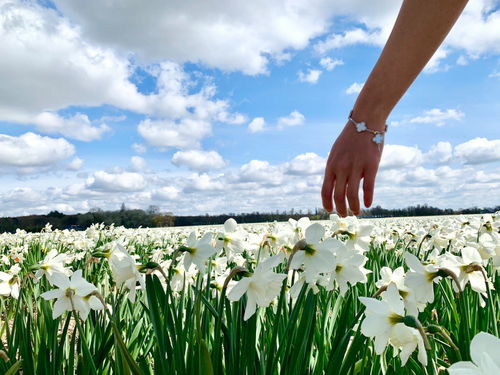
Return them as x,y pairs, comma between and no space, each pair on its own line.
310,250
394,319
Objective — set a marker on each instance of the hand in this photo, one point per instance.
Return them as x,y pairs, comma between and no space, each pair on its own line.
354,156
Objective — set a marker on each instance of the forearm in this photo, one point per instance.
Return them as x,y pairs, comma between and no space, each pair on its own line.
420,28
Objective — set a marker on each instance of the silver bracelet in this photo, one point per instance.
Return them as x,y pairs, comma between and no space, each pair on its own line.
361,127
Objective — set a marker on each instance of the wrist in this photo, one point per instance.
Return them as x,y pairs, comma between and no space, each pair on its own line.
375,116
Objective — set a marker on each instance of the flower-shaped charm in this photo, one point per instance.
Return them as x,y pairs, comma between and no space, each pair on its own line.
360,127
378,139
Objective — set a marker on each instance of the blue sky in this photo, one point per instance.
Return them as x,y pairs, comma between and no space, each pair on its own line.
99,108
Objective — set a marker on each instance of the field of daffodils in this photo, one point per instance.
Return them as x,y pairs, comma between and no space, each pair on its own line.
344,296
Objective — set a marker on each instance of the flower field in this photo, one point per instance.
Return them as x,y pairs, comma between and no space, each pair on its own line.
344,296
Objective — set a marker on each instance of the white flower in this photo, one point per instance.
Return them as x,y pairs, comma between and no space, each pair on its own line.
73,294
466,269
9,284
198,251
124,269
397,277
407,339
317,257
421,279
381,316
261,287
485,354
232,240
52,264
349,268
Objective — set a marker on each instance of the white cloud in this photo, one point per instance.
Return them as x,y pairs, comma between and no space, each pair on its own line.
257,125
306,164
351,37
261,31
398,156
116,182
312,76
439,153
478,151
46,66
76,127
260,171
355,88
295,118
75,164
139,148
33,150
166,133
137,163
438,116
202,182
329,64
166,193
494,74
197,160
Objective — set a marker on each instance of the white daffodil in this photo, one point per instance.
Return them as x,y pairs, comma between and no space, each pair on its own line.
397,277
349,268
388,276
317,256
9,282
467,268
124,269
74,294
232,239
382,316
198,251
407,339
299,227
54,263
359,237
484,351
261,287
421,279
181,277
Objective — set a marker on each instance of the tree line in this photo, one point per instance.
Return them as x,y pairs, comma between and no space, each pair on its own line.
152,217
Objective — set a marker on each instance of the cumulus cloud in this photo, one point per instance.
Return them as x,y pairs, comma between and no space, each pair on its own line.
260,171
329,64
295,118
312,76
438,116
355,88
257,125
186,133
33,150
137,163
166,193
202,182
251,27
198,160
75,164
139,148
478,151
116,182
439,153
351,37
77,127
306,164
398,156
68,70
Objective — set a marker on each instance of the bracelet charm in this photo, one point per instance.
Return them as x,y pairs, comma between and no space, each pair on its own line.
378,137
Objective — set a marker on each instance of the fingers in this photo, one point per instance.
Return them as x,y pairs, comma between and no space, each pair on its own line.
339,195
327,189
368,186
352,193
